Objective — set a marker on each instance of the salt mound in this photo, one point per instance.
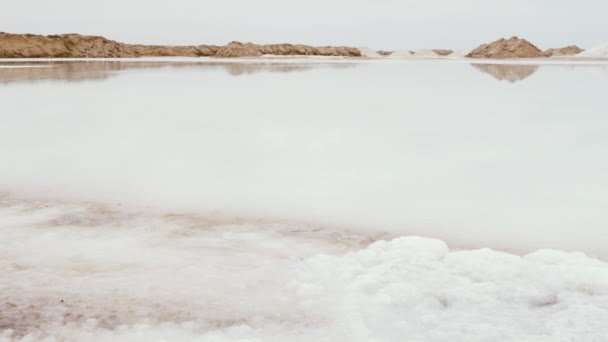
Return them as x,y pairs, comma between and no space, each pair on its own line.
367,52
425,53
418,288
565,51
459,54
600,51
511,48
402,53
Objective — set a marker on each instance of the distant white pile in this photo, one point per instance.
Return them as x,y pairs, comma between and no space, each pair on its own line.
367,52
402,53
600,51
424,53
459,54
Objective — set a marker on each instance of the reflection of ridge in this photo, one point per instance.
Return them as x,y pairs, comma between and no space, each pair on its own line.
508,72
237,69
76,71
600,71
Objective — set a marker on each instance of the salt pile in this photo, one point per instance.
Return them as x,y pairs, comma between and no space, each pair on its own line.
425,53
98,275
459,54
600,51
367,52
402,54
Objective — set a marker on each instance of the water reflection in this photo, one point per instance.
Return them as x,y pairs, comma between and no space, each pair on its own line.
596,71
507,72
76,71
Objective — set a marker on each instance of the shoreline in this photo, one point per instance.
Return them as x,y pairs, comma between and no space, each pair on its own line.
75,45
99,275
361,235
333,59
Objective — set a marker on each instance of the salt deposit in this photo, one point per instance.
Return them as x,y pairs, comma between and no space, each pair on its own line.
82,272
402,54
459,54
425,53
600,51
367,52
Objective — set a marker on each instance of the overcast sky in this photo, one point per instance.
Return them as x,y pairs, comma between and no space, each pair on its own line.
380,24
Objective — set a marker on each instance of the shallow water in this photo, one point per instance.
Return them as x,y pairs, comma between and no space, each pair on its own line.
434,148
236,200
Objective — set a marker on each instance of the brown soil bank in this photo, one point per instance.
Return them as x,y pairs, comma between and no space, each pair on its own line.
237,49
78,46
507,48
565,51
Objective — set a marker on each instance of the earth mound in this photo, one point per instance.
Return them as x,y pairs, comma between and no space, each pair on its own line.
507,48
565,51
238,49
79,46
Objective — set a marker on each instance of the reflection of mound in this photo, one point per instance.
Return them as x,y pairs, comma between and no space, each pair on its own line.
237,69
77,71
65,71
508,72
600,71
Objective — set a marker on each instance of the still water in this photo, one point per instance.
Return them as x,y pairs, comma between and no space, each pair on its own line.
507,156
275,200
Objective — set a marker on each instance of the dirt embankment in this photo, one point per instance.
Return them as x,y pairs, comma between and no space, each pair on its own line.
238,49
507,48
565,51
79,46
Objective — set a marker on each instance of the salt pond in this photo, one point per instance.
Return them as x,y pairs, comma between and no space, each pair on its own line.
195,199
432,148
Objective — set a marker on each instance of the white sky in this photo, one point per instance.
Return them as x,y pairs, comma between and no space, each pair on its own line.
381,24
